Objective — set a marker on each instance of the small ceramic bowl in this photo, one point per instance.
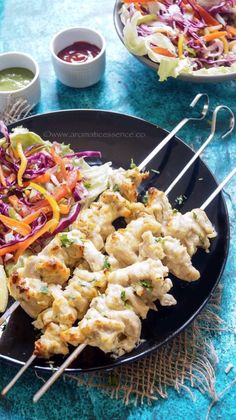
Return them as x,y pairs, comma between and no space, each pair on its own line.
76,74
32,91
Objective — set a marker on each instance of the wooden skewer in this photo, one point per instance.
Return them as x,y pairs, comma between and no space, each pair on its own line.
18,375
178,128
8,312
59,372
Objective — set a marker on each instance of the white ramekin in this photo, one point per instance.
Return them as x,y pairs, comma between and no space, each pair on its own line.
78,75
32,91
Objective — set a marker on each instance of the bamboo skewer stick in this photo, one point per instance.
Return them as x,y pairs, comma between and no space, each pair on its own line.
59,372
8,312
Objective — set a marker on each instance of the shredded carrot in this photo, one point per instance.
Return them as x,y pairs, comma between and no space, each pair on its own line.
2,177
19,226
59,161
64,208
210,20
231,30
23,163
181,45
214,35
8,249
22,246
51,200
14,201
42,179
163,51
33,216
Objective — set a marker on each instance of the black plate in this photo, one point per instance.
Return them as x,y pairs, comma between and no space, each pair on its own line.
120,137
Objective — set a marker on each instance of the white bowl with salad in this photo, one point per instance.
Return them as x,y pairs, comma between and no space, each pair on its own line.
193,40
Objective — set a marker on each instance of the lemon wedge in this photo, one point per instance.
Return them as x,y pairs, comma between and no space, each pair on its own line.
3,290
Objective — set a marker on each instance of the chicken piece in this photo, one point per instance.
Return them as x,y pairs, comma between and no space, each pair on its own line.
33,294
127,182
50,343
147,277
128,239
73,302
158,205
113,331
67,247
118,295
172,253
193,229
48,269
96,260
96,222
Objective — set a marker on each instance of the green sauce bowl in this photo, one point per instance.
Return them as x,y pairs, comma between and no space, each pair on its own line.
19,78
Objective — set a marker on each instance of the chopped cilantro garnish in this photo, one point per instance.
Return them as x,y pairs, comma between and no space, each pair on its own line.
65,241
194,215
106,263
116,188
174,211
44,290
145,199
123,295
132,164
147,285
180,199
87,185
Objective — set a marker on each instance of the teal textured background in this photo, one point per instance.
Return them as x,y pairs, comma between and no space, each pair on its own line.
131,88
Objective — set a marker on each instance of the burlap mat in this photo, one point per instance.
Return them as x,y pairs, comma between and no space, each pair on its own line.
188,361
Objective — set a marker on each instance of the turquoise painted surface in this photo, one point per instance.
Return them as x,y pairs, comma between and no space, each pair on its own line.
131,88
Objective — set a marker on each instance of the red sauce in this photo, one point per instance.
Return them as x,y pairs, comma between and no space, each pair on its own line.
79,52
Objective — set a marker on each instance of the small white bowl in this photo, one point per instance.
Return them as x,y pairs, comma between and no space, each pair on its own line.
78,75
32,91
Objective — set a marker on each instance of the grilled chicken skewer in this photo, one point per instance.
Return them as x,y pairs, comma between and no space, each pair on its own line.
128,187
79,349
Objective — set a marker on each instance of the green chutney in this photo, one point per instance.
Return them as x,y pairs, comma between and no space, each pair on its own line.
15,78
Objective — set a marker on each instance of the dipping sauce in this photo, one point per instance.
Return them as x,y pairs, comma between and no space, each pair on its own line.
15,78
79,52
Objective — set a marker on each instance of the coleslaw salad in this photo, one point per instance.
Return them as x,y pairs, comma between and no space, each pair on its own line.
43,187
182,36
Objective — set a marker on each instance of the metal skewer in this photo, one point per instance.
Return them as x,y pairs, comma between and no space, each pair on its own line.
177,128
79,349
205,144
147,160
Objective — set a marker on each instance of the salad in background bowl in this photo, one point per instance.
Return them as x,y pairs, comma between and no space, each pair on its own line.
189,39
